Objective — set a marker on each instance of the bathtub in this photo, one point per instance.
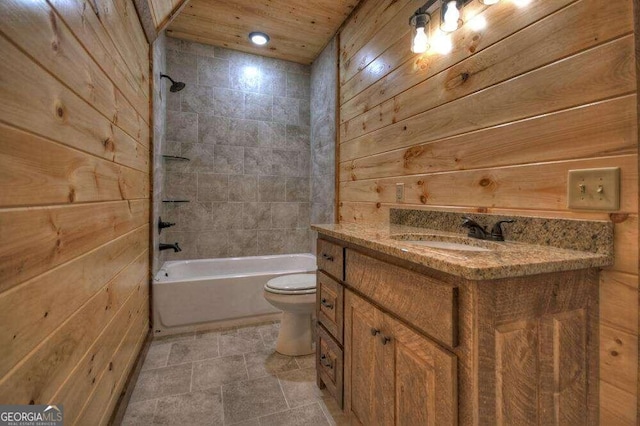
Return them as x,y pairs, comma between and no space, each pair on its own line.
199,294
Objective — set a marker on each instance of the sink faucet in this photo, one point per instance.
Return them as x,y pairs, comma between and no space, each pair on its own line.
176,248
496,231
480,232
475,230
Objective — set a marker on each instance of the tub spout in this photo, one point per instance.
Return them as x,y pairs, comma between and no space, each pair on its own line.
176,248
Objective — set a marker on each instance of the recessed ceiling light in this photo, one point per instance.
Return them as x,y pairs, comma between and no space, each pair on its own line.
259,38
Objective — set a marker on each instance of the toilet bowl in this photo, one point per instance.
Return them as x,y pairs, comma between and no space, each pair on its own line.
295,296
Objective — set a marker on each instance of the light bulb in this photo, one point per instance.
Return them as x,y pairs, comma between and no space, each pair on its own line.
489,2
451,17
522,3
259,38
442,43
478,23
420,41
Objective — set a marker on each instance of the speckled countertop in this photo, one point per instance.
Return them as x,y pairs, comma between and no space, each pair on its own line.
505,259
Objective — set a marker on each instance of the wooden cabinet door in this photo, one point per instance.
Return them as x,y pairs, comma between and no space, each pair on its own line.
419,378
363,353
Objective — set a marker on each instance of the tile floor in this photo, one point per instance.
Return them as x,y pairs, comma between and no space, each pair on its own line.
228,377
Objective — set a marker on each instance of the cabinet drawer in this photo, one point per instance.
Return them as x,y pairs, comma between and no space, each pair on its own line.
329,305
329,364
428,304
331,259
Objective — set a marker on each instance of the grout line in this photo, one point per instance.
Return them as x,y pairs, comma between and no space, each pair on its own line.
282,390
191,380
224,421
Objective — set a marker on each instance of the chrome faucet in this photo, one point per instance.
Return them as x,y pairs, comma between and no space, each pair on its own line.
176,248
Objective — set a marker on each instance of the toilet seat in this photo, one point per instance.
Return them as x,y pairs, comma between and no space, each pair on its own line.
292,284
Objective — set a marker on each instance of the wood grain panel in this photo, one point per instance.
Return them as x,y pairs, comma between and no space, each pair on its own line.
618,303
505,20
361,348
363,24
618,358
617,407
114,344
599,73
74,200
54,46
558,36
595,130
516,370
537,186
426,303
564,368
40,374
65,290
37,171
79,16
36,101
36,240
120,19
163,11
298,29
384,36
422,366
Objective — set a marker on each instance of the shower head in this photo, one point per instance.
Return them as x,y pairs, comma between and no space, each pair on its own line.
176,86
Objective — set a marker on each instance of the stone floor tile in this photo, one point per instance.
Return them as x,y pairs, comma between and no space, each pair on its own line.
268,362
307,415
193,350
140,413
306,361
216,372
252,398
157,356
299,387
160,382
194,409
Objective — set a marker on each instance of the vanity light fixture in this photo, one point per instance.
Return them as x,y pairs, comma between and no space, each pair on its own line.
420,32
450,15
259,38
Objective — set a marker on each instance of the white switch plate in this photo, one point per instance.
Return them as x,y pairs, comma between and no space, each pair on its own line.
399,191
594,189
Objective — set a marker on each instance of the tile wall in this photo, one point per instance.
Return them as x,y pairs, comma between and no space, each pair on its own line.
159,131
244,121
324,75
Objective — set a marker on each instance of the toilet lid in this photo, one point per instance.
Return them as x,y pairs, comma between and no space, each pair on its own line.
293,283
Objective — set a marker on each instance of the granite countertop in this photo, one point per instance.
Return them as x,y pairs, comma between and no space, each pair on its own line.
506,259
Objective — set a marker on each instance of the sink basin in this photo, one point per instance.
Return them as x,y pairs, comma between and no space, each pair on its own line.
445,242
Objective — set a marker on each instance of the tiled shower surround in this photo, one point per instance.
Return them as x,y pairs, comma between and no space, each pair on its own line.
243,120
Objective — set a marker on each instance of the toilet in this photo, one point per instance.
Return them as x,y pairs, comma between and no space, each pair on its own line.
295,296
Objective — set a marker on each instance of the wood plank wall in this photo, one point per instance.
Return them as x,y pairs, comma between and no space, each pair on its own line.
74,202
494,126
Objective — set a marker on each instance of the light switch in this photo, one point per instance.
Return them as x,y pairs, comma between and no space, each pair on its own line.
594,189
399,191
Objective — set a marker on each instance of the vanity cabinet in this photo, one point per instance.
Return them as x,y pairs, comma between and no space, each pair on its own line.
394,376
403,344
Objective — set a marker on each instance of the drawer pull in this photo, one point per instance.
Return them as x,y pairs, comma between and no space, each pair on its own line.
374,331
385,339
327,257
326,304
323,361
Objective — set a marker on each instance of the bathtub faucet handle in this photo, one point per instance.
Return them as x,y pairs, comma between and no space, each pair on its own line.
162,225
175,247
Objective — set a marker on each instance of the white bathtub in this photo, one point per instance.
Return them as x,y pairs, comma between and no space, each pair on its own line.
198,294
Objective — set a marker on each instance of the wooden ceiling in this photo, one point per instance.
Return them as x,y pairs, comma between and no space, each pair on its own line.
299,29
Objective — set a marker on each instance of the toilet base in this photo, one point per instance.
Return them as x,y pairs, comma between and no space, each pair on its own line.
295,337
